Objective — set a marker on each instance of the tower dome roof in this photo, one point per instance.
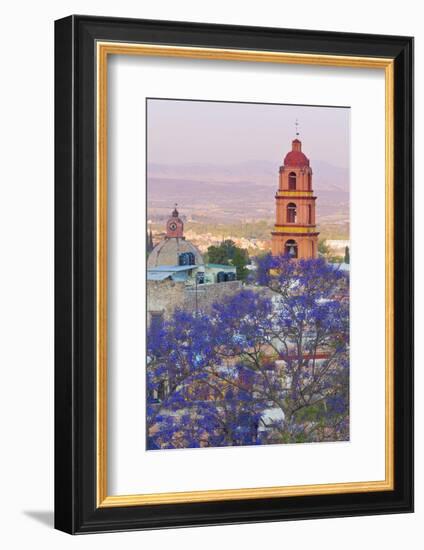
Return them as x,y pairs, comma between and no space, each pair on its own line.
295,157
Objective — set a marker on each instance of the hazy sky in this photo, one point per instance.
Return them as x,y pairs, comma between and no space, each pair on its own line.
181,132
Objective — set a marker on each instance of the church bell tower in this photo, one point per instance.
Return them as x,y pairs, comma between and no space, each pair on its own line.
295,231
175,226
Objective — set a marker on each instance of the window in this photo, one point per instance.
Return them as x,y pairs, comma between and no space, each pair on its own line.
291,212
292,181
186,258
309,214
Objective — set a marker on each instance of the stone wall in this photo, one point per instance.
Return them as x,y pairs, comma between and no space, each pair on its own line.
164,296
208,294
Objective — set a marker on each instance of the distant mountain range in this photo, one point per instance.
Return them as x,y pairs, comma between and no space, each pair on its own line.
239,191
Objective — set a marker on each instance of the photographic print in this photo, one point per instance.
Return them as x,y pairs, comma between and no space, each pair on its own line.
248,261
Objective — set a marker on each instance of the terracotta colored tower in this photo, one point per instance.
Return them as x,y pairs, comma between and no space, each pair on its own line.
175,226
295,230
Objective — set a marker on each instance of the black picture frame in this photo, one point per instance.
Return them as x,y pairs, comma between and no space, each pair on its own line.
76,510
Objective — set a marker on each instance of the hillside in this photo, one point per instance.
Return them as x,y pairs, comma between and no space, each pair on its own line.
242,191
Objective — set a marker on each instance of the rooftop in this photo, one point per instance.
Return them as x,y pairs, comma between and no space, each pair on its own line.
220,266
171,268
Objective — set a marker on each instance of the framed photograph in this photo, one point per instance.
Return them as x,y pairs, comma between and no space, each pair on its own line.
234,269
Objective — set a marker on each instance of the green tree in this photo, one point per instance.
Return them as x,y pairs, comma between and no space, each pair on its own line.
347,256
323,248
216,255
227,253
229,248
240,261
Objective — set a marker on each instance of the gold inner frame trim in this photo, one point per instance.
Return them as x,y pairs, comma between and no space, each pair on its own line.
103,50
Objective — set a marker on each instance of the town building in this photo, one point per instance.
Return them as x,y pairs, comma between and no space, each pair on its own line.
177,275
295,231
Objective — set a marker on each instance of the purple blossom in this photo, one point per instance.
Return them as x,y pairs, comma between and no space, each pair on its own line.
280,345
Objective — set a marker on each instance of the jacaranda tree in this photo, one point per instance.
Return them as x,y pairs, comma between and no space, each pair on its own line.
312,339
267,365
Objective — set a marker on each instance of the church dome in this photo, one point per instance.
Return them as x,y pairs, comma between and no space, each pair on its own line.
168,252
295,157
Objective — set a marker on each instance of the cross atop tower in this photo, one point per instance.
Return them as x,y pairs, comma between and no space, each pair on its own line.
296,124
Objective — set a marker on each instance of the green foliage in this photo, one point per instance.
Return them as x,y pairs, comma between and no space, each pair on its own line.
335,259
347,256
217,255
313,413
228,253
323,249
240,261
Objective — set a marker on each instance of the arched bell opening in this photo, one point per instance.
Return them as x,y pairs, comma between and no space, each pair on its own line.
291,212
292,181
290,248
